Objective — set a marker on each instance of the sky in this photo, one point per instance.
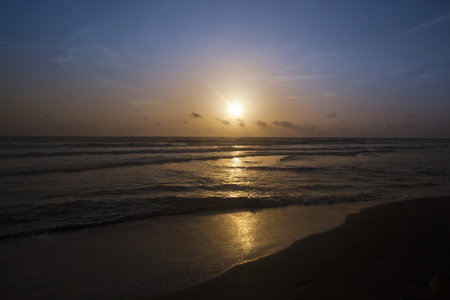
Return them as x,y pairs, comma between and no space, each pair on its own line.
302,68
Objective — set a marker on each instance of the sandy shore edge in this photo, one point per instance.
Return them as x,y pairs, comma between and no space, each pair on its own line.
384,252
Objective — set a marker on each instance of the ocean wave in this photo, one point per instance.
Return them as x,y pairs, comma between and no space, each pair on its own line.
102,152
185,150
179,156
16,220
286,169
116,164
110,146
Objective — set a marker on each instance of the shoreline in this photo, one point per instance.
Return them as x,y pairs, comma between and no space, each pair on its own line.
388,251
167,253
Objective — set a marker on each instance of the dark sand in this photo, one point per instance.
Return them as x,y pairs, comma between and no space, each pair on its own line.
385,252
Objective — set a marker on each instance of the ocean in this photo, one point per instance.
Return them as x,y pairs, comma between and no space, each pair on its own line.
50,184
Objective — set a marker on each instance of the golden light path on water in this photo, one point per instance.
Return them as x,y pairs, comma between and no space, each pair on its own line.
243,230
243,226
236,175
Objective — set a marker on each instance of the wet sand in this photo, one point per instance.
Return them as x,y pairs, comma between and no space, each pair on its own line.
134,260
385,252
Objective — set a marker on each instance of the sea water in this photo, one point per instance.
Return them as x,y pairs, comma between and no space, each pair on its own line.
52,184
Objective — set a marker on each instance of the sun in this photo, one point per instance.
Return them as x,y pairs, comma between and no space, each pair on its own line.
235,109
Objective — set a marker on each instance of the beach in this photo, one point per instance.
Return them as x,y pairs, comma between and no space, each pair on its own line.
385,252
135,217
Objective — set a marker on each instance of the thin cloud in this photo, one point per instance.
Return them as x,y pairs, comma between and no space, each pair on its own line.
331,115
78,33
103,80
286,125
20,46
195,115
437,20
224,122
310,127
261,124
96,52
291,126
67,58
289,78
294,97
104,53
327,94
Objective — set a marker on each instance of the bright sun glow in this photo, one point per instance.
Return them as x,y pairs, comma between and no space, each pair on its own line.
235,109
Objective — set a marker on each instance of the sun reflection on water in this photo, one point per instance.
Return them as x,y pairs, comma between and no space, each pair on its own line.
240,176
236,175
243,229
236,162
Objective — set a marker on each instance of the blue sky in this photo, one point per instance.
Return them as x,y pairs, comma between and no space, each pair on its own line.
297,68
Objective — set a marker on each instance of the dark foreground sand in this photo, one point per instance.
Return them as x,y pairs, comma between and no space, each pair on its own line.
392,251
